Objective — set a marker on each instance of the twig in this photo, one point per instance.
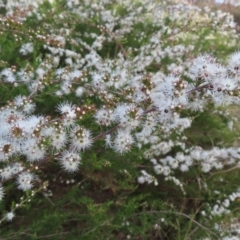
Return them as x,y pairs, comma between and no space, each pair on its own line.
228,170
198,88
184,215
98,226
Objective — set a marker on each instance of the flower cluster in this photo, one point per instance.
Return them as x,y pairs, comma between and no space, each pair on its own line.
131,100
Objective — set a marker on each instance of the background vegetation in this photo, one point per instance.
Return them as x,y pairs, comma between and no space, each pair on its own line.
103,199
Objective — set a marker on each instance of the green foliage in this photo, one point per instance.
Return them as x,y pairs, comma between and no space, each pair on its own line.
211,129
104,201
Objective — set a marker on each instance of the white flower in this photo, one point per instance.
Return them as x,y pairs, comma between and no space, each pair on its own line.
172,162
69,61
104,117
16,168
206,68
226,203
158,169
25,77
120,113
25,181
19,100
97,81
26,48
196,153
184,167
6,172
70,160
180,157
80,138
32,150
67,109
123,141
10,216
224,83
29,124
40,72
163,147
141,179
203,213
206,167
153,160
28,107
79,91
166,170
234,63
59,139
8,75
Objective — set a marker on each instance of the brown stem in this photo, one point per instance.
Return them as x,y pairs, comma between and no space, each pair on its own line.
199,88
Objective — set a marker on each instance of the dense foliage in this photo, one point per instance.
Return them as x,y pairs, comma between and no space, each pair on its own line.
118,121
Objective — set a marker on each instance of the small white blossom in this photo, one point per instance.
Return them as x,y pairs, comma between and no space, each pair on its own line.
25,181
10,216
26,48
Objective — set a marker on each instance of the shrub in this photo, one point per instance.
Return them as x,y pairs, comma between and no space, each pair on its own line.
116,115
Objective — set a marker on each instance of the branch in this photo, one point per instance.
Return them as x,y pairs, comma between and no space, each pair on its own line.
181,214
